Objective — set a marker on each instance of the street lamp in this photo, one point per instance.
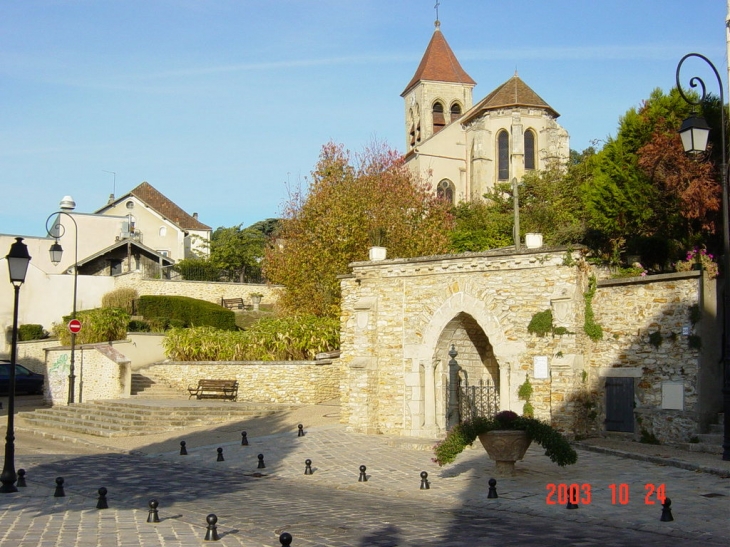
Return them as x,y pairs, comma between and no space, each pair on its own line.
56,231
694,133
18,259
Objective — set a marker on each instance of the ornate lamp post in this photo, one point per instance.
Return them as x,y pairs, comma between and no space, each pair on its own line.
18,260
56,231
694,133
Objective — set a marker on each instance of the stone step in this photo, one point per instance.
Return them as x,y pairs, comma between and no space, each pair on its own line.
709,448
717,429
710,438
129,418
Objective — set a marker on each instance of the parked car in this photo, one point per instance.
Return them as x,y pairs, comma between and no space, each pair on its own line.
26,381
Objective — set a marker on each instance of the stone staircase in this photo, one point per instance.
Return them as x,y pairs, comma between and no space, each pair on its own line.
710,442
130,417
147,386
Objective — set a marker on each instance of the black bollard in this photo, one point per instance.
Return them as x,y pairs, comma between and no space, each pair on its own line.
183,450
244,439
261,462
425,485
285,539
59,493
363,477
301,430
492,495
211,533
220,455
102,503
667,511
21,478
153,515
571,497
307,467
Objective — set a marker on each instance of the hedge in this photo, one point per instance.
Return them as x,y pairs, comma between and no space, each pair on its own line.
191,312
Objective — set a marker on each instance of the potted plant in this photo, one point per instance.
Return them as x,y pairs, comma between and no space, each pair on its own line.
256,299
505,436
377,250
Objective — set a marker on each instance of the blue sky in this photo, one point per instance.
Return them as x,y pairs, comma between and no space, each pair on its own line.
218,103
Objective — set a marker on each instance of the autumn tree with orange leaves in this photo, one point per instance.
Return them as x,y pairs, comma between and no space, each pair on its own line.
352,202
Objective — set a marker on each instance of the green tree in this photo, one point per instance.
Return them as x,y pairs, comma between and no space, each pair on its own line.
644,193
238,250
347,202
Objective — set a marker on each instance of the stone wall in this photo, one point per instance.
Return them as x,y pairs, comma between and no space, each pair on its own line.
400,317
648,334
294,382
100,372
202,290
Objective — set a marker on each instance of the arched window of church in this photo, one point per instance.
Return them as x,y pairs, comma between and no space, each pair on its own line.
503,156
438,117
455,111
445,190
412,129
530,149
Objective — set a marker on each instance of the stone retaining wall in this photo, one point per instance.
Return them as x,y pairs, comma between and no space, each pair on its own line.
294,382
202,290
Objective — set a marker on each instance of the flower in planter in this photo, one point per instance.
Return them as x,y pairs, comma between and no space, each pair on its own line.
701,258
556,446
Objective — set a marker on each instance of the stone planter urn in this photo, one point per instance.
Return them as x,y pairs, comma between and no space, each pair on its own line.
256,301
377,253
505,447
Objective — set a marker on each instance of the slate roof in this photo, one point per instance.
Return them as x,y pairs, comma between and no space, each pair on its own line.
123,243
152,197
514,92
439,64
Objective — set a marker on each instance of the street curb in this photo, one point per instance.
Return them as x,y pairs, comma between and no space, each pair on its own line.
673,462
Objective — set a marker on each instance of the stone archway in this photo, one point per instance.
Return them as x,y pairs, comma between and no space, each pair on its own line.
478,365
482,338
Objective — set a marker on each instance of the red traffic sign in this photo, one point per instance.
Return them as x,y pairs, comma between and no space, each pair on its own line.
74,326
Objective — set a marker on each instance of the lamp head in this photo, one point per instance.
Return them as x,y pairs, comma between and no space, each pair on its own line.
695,133
18,260
56,252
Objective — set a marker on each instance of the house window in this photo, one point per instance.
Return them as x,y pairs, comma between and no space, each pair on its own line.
445,190
130,204
529,149
503,155
163,252
163,231
455,111
438,117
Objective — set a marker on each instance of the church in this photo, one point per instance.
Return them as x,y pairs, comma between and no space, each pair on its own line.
464,149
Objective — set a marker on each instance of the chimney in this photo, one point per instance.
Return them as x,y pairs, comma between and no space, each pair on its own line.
111,199
195,216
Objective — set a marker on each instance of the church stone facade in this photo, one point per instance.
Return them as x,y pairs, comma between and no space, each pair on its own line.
464,149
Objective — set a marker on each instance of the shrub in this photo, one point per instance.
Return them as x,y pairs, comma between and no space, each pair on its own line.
183,311
291,338
31,331
557,447
98,325
541,323
122,298
139,325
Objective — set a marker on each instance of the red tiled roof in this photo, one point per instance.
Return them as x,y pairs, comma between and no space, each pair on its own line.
439,64
149,195
160,203
514,92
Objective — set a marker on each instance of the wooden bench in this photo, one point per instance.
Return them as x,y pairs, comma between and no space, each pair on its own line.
235,303
215,389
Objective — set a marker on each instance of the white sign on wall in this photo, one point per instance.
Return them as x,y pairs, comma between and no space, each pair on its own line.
540,366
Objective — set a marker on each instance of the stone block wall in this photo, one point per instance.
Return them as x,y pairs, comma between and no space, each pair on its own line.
400,317
100,372
294,382
648,334
202,290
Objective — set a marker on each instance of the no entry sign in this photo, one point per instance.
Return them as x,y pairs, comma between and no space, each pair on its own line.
74,326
